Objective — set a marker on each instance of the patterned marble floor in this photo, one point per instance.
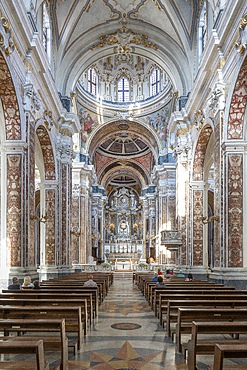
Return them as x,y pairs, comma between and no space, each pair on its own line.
126,335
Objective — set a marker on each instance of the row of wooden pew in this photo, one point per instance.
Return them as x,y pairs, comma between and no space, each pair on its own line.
200,311
55,317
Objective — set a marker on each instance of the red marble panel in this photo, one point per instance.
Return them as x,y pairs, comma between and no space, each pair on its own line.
9,102
238,105
64,212
197,228
50,237
14,216
235,210
30,193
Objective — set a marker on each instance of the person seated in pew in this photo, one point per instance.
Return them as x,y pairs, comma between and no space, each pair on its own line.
180,274
160,272
90,281
155,278
160,283
36,284
189,278
27,283
15,284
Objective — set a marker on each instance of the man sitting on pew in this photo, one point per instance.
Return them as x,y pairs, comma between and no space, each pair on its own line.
15,284
90,281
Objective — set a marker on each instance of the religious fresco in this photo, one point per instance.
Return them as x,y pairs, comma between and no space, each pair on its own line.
88,122
159,121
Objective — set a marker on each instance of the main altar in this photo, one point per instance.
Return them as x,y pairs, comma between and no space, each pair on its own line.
123,246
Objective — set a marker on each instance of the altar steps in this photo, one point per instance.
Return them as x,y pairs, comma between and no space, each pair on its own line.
123,275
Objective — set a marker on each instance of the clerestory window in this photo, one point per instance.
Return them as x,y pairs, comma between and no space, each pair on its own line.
92,81
155,81
123,90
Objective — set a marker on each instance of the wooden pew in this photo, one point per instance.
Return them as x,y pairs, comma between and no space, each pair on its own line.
187,315
66,296
210,328
23,347
74,287
72,316
163,298
202,289
233,350
151,286
41,329
174,305
49,302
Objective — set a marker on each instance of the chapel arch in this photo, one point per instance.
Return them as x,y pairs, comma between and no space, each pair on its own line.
12,173
46,209
235,184
201,169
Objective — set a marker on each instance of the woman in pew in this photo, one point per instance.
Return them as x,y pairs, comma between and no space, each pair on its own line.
27,283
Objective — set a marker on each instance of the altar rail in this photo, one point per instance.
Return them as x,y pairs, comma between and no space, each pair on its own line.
93,267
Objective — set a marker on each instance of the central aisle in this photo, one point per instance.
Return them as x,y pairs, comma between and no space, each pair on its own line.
126,335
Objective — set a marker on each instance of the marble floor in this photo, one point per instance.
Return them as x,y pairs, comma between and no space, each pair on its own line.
126,335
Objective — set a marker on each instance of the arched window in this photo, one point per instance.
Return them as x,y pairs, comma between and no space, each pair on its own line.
46,34
92,81
123,90
155,82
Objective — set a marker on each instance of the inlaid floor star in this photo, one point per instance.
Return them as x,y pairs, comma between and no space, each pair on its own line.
126,358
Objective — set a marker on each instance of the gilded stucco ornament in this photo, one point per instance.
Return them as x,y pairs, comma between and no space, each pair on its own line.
124,38
199,119
241,43
6,42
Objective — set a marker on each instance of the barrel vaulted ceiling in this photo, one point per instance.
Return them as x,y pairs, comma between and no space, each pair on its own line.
87,31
